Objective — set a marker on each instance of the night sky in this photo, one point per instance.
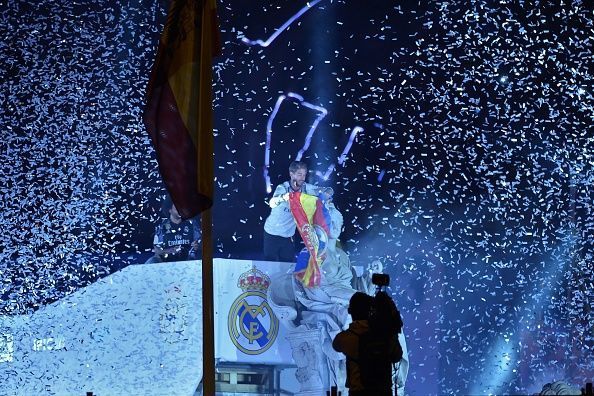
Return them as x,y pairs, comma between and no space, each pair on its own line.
471,179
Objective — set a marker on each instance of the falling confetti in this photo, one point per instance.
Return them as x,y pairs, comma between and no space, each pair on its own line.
472,181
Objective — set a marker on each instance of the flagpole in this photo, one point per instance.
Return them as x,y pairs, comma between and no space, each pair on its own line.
208,359
178,117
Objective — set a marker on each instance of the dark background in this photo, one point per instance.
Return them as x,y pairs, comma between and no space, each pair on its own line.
471,182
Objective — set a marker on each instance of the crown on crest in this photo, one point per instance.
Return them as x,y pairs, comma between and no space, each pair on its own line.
253,280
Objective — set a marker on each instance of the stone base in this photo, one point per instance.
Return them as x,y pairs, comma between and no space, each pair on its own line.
309,358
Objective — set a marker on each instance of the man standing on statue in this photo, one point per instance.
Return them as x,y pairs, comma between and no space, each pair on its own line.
279,228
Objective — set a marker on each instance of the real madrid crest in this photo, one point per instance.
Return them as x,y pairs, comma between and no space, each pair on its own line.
252,325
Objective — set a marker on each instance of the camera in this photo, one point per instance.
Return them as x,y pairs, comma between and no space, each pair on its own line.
384,314
380,280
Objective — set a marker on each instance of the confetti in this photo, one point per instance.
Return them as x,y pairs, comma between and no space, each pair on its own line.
471,181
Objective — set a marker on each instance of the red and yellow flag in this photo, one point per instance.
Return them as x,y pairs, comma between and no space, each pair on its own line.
178,113
309,215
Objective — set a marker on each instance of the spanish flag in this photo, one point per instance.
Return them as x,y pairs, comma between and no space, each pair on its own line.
312,219
178,113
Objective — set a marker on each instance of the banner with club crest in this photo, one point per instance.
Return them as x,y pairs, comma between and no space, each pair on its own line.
246,328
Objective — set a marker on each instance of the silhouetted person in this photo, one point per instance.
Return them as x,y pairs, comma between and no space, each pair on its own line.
370,348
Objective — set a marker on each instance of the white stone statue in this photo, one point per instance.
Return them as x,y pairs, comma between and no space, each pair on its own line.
324,309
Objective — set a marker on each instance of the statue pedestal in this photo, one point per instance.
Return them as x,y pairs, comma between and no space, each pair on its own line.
310,360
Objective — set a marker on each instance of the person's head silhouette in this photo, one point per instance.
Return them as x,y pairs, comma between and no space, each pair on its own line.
359,306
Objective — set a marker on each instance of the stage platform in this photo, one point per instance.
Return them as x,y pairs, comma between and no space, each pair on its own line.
139,331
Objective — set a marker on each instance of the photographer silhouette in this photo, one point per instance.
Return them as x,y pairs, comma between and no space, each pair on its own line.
371,342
